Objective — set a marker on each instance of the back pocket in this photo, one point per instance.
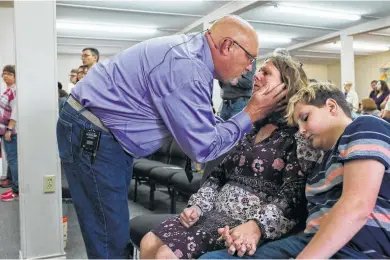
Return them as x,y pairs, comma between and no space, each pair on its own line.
64,140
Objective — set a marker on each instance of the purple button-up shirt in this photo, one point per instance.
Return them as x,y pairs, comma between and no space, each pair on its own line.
158,89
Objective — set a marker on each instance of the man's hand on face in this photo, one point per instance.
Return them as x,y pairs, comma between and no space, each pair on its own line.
266,100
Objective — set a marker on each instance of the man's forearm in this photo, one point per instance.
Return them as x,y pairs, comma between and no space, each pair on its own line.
336,230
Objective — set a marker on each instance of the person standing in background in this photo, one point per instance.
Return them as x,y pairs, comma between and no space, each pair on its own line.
235,97
382,91
72,79
351,96
373,89
90,56
8,130
81,72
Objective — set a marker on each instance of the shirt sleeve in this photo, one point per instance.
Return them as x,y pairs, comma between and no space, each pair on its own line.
14,111
306,154
187,113
288,207
205,197
387,107
367,137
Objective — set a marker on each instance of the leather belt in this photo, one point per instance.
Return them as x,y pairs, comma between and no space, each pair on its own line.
85,113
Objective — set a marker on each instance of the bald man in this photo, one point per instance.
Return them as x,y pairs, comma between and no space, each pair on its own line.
129,105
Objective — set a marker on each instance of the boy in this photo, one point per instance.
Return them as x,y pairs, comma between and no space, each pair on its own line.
349,192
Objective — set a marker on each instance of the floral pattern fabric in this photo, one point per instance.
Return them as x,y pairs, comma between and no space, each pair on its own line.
261,181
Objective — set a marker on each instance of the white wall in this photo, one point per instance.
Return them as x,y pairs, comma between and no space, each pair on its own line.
7,42
316,71
67,62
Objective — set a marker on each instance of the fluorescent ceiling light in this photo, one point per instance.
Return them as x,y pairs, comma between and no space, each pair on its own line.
318,13
273,38
316,57
113,28
360,46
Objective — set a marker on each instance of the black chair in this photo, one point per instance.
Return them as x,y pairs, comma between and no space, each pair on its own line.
141,225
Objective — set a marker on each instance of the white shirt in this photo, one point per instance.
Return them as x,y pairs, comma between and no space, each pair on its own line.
70,86
352,97
387,107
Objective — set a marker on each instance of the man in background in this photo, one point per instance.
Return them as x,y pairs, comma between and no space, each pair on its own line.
351,96
235,97
90,56
72,79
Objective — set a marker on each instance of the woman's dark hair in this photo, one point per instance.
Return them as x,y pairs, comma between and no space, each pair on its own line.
59,85
384,86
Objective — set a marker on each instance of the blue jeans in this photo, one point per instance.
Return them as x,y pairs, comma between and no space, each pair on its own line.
289,247
99,190
232,107
11,149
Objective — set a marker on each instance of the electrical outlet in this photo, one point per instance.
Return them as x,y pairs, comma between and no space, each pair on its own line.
49,183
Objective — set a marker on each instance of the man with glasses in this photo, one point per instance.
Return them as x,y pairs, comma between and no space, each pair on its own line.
129,105
72,79
89,57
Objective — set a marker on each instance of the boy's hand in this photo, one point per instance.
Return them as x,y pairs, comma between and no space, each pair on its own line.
243,238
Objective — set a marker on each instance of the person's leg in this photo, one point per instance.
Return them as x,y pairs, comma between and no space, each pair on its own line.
149,246
285,248
348,252
165,252
11,148
224,113
99,188
9,175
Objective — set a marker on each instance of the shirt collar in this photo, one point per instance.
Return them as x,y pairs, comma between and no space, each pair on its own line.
208,58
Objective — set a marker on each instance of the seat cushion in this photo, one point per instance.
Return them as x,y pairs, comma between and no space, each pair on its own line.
143,168
180,182
141,225
164,174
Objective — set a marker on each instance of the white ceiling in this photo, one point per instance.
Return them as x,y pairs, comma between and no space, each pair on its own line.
170,17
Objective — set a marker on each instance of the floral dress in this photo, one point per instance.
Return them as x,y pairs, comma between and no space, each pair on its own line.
263,182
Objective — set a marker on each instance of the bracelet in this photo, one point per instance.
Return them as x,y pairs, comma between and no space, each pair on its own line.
9,129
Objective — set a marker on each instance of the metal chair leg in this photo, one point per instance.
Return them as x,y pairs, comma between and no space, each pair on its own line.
173,201
135,188
151,195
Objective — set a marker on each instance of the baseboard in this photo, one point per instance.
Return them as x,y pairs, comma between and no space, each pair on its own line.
59,256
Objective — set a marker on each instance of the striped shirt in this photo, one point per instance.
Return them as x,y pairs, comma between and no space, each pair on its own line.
7,109
367,137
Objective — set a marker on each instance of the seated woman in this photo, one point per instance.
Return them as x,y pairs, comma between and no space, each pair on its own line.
258,186
369,108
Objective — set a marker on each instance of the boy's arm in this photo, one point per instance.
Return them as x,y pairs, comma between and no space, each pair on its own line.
350,213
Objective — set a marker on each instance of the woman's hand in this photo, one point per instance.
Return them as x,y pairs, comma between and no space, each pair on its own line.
190,216
243,238
7,136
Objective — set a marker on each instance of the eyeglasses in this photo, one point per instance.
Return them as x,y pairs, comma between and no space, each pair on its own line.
7,74
73,75
85,55
251,58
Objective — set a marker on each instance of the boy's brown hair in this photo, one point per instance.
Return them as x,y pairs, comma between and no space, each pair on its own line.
316,94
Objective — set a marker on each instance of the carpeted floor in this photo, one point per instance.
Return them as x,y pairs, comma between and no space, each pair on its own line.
10,231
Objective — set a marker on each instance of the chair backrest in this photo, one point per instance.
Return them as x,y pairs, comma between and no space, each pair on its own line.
210,166
177,156
162,154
